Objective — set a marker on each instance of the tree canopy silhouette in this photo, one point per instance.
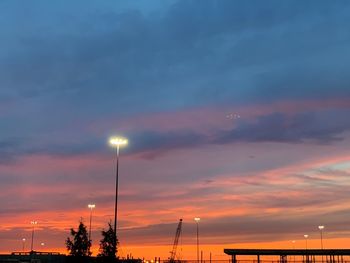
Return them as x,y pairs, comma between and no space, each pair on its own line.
107,243
80,244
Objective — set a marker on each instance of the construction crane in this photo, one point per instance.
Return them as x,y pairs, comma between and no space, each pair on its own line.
176,241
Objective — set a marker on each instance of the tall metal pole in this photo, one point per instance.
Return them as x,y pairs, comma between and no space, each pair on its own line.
306,237
116,200
90,224
90,206
31,246
321,228
116,142
197,243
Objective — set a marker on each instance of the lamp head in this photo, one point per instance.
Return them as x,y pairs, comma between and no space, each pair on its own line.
306,236
91,206
320,227
118,141
197,219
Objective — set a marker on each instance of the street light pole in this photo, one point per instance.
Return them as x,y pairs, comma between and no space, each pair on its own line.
306,256
306,237
197,219
116,142
33,223
23,243
116,198
91,206
321,230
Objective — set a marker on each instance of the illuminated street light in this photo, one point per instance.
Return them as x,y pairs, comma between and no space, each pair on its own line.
33,223
90,206
197,219
321,230
116,142
23,244
306,237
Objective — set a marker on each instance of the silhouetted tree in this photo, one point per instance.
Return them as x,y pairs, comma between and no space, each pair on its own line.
80,244
107,243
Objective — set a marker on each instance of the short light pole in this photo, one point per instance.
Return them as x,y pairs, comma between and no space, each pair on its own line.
197,219
33,223
90,206
116,142
306,237
23,244
321,230
307,256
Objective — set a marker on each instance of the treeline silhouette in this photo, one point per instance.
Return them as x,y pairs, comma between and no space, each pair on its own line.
79,246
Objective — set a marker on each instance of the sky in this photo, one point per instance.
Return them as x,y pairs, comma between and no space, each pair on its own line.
236,112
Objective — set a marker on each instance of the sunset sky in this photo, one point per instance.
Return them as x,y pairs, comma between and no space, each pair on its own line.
237,112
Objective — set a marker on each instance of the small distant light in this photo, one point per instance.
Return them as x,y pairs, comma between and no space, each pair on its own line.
320,227
42,244
197,219
23,239
293,241
306,236
233,116
33,222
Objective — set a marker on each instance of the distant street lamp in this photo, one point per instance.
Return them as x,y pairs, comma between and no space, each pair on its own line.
33,223
23,243
321,230
90,206
197,219
116,142
306,237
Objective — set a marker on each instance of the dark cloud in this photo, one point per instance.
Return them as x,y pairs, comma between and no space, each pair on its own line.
321,127
188,48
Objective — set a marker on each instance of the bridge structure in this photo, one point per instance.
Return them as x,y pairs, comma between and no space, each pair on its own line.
290,255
